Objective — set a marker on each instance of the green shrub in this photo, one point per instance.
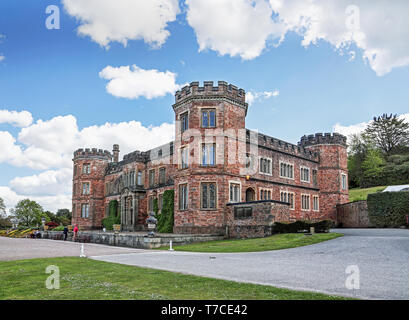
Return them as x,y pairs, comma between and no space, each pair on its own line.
59,228
388,209
114,216
302,226
166,218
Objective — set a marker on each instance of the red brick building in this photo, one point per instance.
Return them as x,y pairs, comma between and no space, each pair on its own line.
213,161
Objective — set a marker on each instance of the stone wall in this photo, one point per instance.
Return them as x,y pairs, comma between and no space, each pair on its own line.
264,214
133,240
353,215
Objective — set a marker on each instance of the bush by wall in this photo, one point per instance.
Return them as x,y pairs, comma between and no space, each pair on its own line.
300,226
166,218
114,216
388,209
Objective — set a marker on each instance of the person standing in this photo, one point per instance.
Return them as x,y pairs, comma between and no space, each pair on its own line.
75,232
65,232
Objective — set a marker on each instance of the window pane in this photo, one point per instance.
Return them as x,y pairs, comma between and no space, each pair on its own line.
212,196
205,120
204,196
212,116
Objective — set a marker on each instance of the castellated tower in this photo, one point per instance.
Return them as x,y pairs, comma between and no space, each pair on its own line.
88,187
209,121
332,175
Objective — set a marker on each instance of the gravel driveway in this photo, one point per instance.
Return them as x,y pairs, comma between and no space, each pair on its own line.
382,256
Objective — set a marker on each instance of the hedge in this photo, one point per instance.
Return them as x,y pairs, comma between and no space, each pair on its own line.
166,218
388,209
300,226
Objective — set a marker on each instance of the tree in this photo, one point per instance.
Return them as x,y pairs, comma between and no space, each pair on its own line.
29,213
4,219
373,167
2,207
63,216
64,213
388,133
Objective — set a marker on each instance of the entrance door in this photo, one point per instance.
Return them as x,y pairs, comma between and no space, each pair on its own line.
250,195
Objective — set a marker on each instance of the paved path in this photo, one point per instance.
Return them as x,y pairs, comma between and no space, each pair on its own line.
382,256
16,249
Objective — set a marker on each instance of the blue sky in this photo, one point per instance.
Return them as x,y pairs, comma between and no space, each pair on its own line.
56,73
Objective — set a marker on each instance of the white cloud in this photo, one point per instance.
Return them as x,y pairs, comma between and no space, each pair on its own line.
48,145
252,96
359,127
2,57
243,27
52,203
51,182
235,28
106,21
134,82
18,119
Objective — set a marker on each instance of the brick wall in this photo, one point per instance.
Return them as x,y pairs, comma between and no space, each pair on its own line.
353,215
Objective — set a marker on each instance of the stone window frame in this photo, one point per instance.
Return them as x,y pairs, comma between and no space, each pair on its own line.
139,174
214,154
180,163
343,175
243,216
185,114
309,174
201,196
187,196
208,109
292,205
309,201
150,205
264,190
87,211
86,165
314,181
89,188
287,163
271,166
164,176
151,183
318,203
240,191
160,203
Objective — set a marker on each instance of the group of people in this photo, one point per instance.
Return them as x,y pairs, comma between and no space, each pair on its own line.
75,231
37,234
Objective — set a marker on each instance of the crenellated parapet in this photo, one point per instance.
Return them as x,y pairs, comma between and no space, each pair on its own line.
208,91
264,141
93,153
323,138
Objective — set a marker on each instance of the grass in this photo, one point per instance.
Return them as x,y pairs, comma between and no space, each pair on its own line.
275,242
362,194
86,279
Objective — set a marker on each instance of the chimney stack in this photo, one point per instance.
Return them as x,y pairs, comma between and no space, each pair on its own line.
115,152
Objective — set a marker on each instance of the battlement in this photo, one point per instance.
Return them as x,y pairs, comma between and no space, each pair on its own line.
92,153
323,138
268,142
208,90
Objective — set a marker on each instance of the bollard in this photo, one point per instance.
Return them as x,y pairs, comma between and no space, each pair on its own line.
170,246
82,255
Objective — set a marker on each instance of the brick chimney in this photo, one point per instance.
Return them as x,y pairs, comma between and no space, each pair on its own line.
115,152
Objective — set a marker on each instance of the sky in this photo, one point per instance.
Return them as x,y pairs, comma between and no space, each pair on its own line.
93,73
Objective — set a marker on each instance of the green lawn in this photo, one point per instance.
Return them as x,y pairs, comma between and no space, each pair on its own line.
362,194
276,242
84,279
